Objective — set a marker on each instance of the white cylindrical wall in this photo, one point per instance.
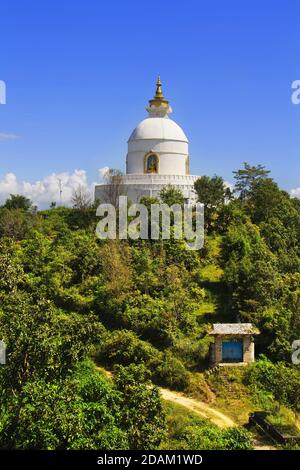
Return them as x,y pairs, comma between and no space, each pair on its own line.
163,137
172,156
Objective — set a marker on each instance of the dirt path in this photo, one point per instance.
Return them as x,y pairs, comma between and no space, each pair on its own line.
259,446
198,407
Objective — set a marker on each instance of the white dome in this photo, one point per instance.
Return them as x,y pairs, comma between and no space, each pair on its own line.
158,138
158,156
160,128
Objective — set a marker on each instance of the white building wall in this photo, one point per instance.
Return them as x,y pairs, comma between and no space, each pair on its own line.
172,156
136,186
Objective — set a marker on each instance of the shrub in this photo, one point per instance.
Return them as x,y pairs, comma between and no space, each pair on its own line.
198,387
207,436
124,347
236,439
172,373
279,379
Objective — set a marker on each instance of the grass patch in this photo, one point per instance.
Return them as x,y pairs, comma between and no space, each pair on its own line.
237,400
214,245
284,420
179,419
211,273
207,308
186,431
232,396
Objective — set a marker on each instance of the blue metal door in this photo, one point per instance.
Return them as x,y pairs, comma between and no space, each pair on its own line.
232,351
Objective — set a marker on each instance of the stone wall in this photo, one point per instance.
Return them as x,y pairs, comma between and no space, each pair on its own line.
216,351
248,349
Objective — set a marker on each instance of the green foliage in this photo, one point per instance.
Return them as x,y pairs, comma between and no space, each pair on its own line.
170,195
189,432
16,223
247,176
148,201
212,192
47,400
171,372
280,380
58,343
249,268
123,347
211,438
64,294
236,439
16,201
81,411
284,421
142,413
261,260
11,270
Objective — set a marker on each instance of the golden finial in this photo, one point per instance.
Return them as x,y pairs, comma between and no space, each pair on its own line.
158,93
159,99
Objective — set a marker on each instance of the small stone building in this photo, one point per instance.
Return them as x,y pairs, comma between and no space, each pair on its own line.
233,343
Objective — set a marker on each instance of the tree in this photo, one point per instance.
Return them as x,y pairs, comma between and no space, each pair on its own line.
58,343
142,411
148,201
266,201
170,195
250,270
11,269
114,187
17,201
80,411
245,178
207,436
81,198
15,223
281,379
213,193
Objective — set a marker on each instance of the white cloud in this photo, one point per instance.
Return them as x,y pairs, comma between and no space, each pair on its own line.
103,172
8,184
295,192
46,190
7,136
229,185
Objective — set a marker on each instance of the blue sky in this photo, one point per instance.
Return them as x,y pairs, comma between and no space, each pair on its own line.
79,76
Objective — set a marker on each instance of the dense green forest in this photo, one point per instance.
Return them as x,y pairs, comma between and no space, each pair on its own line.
143,308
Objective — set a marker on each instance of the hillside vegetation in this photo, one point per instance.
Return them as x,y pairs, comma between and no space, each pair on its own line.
143,308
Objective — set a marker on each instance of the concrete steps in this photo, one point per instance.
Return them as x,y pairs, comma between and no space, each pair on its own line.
225,377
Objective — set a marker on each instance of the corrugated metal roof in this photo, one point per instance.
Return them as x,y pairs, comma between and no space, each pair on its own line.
234,329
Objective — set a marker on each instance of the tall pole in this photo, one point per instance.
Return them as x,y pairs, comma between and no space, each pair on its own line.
60,191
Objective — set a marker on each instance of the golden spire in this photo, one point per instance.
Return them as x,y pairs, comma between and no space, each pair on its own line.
159,99
158,93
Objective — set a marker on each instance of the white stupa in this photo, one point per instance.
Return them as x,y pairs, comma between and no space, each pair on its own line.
157,156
